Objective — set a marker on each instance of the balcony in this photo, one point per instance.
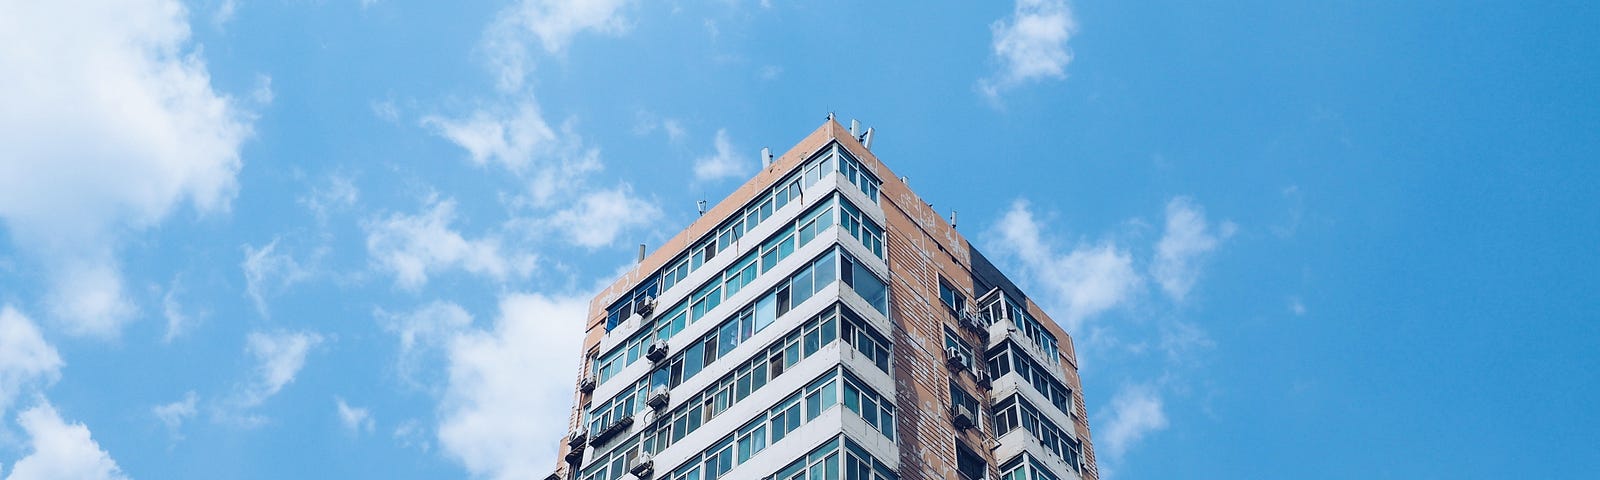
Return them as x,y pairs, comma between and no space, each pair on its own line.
1013,383
1020,440
1003,328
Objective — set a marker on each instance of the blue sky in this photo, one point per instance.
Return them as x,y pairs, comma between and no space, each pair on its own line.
355,238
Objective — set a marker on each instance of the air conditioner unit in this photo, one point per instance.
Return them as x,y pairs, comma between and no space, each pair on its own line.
575,456
657,351
553,476
576,439
955,359
587,384
646,307
963,417
642,465
658,398
982,378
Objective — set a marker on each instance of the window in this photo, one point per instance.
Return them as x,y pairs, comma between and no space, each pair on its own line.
864,282
953,343
814,221
864,339
826,461
876,410
960,398
1025,467
862,228
969,465
951,297
752,439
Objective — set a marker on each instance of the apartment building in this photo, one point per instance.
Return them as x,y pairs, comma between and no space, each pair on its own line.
824,322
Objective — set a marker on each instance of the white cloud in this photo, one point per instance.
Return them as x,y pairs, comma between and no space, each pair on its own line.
510,138
412,246
599,217
336,193
552,23
722,164
262,94
178,319
27,361
674,129
386,110
518,139
174,414
225,12
1135,412
1296,306
60,450
1031,45
268,272
87,298
1089,280
1187,239
496,419
279,357
424,329
770,72
355,420
114,126
409,434
646,123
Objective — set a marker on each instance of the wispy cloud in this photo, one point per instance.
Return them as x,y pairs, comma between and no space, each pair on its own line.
509,137
413,246
1030,45
1135,412
722,162
355,420
549,23
279,356
179,319
27,361
426,329
174,414
600,217
1188,238
268,272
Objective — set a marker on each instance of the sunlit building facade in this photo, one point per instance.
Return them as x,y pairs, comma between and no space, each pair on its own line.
823,322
